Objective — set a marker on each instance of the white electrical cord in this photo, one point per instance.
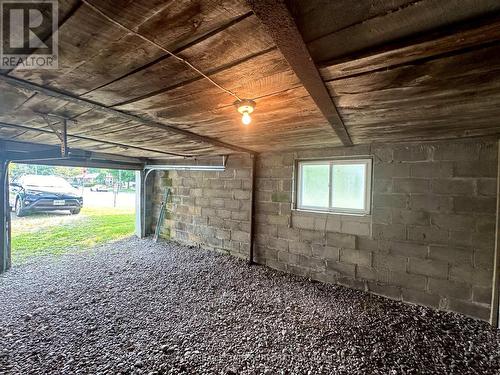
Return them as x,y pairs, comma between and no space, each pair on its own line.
162,48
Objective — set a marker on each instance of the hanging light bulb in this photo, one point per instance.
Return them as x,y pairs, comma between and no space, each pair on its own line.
245,107
246,119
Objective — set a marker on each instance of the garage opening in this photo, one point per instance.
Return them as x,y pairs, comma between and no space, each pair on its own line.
59,209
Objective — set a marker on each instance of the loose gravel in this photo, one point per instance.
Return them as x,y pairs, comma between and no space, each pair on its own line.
137,307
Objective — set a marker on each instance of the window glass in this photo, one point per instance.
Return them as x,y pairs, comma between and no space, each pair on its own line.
341,186
315,189
348,188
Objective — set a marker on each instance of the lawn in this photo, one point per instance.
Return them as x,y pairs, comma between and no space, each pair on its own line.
55,234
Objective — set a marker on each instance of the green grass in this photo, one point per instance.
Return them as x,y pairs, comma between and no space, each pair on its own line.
92,227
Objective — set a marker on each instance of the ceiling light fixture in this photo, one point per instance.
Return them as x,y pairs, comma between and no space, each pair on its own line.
245,107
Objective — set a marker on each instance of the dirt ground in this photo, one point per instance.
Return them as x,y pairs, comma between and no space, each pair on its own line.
137,307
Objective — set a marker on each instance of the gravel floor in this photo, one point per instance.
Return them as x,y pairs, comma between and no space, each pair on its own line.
136,307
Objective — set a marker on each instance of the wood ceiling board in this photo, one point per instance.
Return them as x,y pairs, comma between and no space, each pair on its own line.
419,17
277,115
183,21
460,93
222,50
92,51
261,76
459,72
317,18
415,50
44,31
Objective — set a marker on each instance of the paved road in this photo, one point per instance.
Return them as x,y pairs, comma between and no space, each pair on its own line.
105,199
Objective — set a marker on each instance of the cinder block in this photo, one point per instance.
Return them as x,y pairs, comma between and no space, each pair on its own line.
240,236
281,196
324,276
298,270
420,298
333,223
407,280
471,309
390,200
341,268
483,240
302,222
385,290
389,231
427,234
411,185
474,204
453,222
471,275
312,237
486,223
487,187
341,240
450,254
382,185
351,283
278,219
482,294
484,259
290,234
428,267
453,186
415,217
461,238
485,168
432,169
357,228
360,257
451,289
431,202
365,243
411,153
387,171
457,151
316,264
300,248
278,244
277,265
271,160
381,215
389,262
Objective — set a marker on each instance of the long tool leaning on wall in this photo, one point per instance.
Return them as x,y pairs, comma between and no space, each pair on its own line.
161,216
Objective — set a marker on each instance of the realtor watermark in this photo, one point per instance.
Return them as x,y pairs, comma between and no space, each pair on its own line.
28,34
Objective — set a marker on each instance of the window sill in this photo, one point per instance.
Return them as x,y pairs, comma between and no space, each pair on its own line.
301,210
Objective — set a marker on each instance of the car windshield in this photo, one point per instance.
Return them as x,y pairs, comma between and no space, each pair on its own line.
46,182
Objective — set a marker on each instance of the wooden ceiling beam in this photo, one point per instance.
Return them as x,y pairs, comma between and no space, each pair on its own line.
281,26
78,137
25,85
451,40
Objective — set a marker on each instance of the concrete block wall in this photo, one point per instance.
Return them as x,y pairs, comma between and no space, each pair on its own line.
207,208
429,239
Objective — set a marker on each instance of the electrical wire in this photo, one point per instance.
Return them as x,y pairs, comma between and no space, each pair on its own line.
162,48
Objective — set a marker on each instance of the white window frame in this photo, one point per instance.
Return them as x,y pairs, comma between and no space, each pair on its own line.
366,210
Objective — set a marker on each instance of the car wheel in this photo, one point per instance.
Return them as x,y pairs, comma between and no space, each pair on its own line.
76,211
19,209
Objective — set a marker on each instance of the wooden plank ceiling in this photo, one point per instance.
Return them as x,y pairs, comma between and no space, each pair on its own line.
397,70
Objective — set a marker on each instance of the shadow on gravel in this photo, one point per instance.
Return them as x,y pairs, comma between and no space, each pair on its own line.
137,307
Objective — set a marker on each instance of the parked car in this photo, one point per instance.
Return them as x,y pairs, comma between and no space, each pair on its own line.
32,193
99,188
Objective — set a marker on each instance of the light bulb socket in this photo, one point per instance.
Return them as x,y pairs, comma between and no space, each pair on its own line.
245,105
